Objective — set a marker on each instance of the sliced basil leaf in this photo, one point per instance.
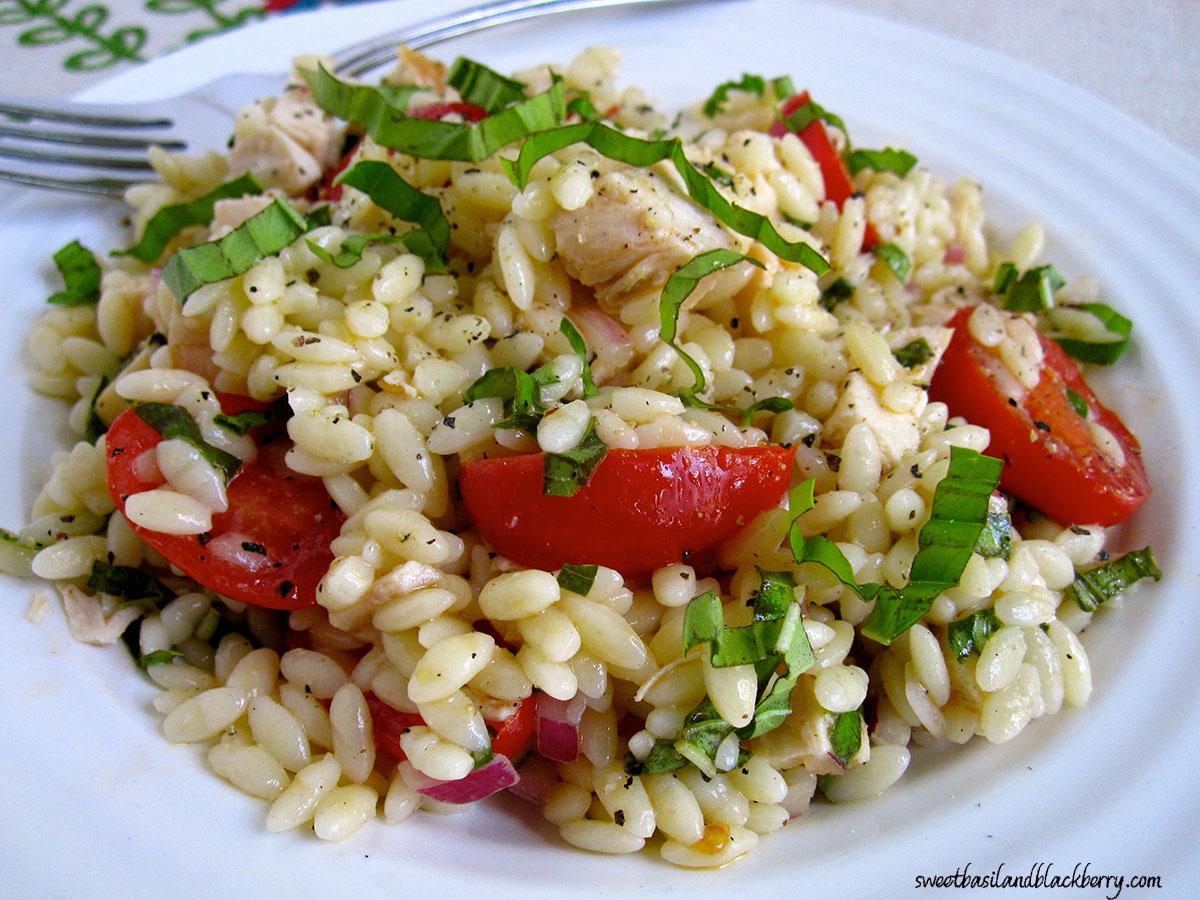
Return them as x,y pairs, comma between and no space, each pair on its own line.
663,757
774,596
563,474
960,507
889,159
175,422
751,84
242,423
518,390
634,151
783,86
95,426
769,404
703,622
957,516
577,579
320,217
845,737
127,583
390,192
478,84
579,346
165,224
995,540
581,105
818,548
678,288
810,112
156,658
263,234
775,690
352,247
1077,403
718,175
775,636
16,554
371,110
914,353
1102,352
838,292
896,260
1006,274
701,736
968,635
80,274
1094,586
1032,291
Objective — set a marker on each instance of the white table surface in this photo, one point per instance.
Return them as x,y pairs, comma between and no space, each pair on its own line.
1143,56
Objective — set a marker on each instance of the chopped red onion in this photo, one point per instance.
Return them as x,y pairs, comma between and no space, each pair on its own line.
494,776
558,727
538,777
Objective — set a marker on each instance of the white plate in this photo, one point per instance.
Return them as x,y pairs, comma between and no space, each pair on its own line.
96,803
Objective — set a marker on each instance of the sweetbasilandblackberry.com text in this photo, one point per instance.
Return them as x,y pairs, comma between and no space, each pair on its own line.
1044,876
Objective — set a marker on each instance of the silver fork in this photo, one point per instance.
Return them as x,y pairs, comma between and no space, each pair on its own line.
101,149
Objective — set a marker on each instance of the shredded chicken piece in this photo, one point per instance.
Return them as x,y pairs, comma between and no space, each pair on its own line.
228,214
96,620
803,738
287,143
298,116
631,235
898,433
417,68
404,579
275,159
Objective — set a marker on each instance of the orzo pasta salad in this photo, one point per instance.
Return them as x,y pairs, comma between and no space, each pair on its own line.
467,433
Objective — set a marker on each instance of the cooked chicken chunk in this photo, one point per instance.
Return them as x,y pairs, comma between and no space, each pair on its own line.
632,234
803,738
297,116
898,433
286,143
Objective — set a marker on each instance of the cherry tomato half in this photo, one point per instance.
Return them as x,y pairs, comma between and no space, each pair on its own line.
509,737
839,186
283,522
641,510
1052,457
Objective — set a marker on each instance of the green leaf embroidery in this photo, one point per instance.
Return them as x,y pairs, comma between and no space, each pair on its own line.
51,22
220,21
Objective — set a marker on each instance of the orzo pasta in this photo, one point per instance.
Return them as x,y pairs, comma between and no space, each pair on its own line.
471,433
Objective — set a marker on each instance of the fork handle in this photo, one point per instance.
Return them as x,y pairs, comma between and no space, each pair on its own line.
361,58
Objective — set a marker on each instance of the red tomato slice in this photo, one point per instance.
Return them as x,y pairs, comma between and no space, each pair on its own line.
389,724
839,186
283,522
327,189
513,735
509,737
434,112
1052,461
642,509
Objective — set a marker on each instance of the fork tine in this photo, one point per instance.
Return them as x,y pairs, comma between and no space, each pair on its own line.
76,116
138,164
109,187
211,109
87,138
